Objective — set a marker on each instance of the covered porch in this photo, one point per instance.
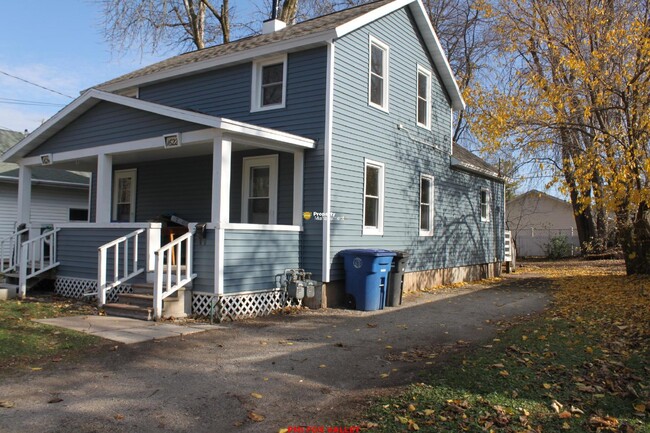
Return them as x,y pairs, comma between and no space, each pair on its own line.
233,191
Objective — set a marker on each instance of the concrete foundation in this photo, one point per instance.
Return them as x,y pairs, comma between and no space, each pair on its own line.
178,305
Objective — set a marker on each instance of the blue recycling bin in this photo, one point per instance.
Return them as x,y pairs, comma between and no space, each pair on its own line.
366,277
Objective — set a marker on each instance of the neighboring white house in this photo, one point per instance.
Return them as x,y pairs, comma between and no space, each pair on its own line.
57,195
534,218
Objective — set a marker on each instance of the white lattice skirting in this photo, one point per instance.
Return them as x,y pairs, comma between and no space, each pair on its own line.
239,306
78,288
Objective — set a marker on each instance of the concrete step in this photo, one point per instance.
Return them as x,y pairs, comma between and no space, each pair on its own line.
126,310
141,300
8,291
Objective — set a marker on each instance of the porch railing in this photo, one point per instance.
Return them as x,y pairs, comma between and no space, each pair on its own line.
508,246
170,258
10,251
37,255
124,243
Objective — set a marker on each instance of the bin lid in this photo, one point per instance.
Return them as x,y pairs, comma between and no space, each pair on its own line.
367,252
402,254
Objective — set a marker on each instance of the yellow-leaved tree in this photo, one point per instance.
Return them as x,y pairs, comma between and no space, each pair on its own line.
572,84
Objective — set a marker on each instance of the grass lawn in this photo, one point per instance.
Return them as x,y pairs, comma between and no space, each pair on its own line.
583,366
27,344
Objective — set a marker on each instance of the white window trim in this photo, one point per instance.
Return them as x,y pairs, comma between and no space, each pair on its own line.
374,41
488,198
371,230
256,85
427,73
256,161
117,175
431,205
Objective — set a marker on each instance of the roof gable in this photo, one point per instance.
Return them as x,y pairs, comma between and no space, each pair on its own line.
317,31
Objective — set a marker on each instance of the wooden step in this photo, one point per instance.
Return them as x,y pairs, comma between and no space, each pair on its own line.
143,288
139,299
131,311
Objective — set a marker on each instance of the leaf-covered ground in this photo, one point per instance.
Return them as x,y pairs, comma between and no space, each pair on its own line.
27,344
583,366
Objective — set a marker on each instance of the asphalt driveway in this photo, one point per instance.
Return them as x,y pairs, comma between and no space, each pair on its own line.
262,375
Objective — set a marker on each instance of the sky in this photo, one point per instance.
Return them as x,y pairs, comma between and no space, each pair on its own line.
56,44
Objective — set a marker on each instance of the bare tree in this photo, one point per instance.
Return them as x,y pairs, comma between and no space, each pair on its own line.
178,24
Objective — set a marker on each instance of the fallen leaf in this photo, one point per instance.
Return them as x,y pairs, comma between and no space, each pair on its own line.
557,406
498,365
640,407
322,366
256,395
255,417
119,417
564,415
429,412
7,404
566,426
547,386
384,375
504,373
411,408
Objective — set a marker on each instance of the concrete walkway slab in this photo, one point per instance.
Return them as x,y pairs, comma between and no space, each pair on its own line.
125,330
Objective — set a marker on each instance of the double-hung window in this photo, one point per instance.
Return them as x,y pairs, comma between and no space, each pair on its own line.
373,198
378,75
269,86
124,184
426,205
424,98
485,204
259,190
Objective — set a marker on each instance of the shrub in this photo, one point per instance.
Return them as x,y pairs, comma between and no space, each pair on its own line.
558,247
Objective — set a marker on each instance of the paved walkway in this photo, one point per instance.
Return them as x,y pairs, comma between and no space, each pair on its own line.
125,330
263,375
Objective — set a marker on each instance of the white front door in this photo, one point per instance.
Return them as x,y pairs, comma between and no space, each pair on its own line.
260,190
124,184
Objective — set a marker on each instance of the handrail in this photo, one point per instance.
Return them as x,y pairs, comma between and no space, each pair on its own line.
163,284
103,285
34,260
10,251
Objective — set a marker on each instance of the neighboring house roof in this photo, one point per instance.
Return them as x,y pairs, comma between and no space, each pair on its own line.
317,31
465,160
539,195
9,171
92,97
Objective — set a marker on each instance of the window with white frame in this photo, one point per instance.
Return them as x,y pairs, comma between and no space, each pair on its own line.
124,184
485,204
260,190
426,205
373,198
424,98
269,86
378,75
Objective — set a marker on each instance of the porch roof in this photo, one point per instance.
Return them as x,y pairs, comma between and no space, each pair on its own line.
92,97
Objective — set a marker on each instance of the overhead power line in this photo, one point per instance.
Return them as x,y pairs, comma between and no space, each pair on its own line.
37,85
34,103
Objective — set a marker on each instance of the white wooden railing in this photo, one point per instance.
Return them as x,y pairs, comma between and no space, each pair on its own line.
167,282
104,285
37,255
508,246
10,251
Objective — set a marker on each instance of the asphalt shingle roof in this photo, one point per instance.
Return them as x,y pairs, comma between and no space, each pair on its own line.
467,157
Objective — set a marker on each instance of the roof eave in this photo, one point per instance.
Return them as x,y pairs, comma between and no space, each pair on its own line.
456,163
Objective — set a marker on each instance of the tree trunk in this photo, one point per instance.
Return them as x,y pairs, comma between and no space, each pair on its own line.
635,241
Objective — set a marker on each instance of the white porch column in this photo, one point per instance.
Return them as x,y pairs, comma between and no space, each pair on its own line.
298,182
104,187
24,194
221,156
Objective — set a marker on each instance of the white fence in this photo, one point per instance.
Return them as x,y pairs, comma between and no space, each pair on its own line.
532,242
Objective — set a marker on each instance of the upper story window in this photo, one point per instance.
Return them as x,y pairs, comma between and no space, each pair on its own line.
485,204
378,75
424,98
426,205
373,198
269,86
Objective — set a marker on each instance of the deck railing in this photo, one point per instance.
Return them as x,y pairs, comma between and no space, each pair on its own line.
37,255
10,251
507,246
173,270
127,244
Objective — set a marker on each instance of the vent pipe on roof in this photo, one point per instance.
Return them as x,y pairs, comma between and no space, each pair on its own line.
274,24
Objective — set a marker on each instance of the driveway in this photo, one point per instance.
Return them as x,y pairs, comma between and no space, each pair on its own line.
262,375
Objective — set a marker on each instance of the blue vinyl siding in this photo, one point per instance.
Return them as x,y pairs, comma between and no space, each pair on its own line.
254,259
182,187
203,262
361,131
77,251
225,92
109,123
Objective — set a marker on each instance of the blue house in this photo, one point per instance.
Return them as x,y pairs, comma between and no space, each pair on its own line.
272,152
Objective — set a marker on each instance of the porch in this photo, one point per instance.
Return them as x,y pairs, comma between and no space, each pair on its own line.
234,190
